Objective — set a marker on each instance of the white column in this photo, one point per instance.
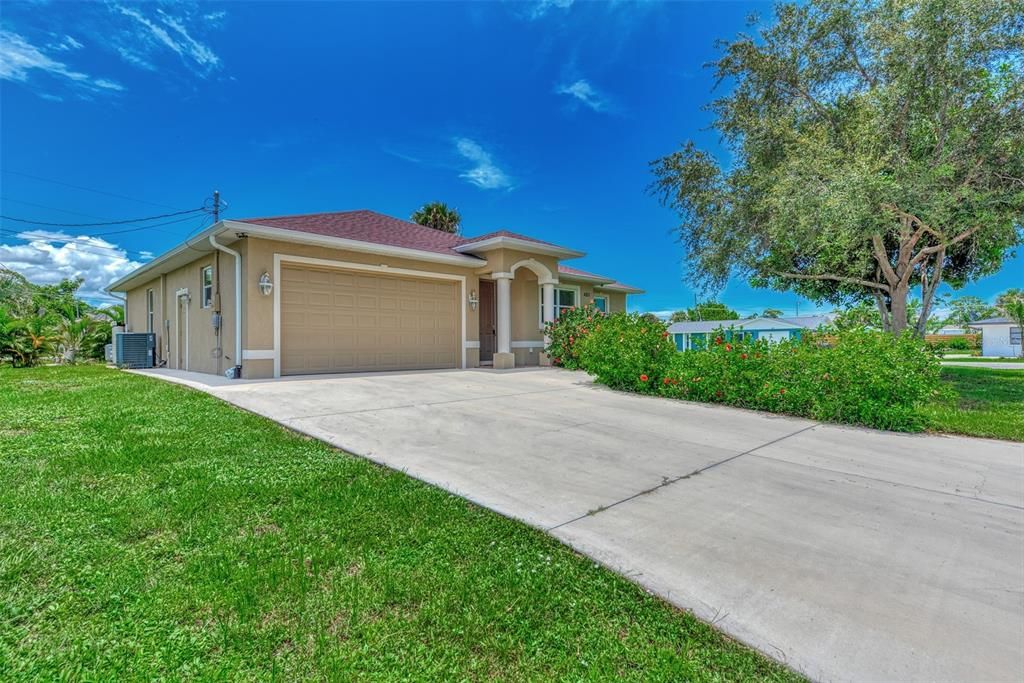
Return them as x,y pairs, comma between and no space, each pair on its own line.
504,287
548,290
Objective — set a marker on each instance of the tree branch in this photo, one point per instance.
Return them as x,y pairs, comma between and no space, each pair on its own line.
835,278
883,260
928,292
942,246
857,63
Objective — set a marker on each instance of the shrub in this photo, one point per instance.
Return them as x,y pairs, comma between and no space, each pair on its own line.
567,331
627,351
860,377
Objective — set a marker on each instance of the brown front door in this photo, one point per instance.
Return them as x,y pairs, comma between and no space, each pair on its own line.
488,314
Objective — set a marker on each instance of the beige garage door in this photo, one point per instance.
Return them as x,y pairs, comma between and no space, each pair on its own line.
351,321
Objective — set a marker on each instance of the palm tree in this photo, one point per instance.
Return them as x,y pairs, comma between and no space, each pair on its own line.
115,313
74,336
439,216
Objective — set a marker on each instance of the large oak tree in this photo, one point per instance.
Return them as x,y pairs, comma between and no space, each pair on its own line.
876,148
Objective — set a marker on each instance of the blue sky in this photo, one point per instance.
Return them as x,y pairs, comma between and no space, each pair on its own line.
538,117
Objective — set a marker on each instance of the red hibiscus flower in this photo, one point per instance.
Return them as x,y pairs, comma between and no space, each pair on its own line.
643,378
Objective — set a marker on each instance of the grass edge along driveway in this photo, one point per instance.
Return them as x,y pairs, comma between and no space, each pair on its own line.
979,401
148,530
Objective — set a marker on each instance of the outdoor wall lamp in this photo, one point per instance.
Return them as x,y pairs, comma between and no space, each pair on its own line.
265,285
473,300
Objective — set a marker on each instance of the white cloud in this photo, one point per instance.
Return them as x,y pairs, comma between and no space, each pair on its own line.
485,174
19,58
583,91
158,32
542,7
199,52
134,59
48,257
109,85
182,42
67,43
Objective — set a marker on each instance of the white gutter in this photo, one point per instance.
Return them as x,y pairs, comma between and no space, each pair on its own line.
285,235
238,302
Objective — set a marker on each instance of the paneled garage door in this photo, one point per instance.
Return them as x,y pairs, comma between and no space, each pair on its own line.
352,321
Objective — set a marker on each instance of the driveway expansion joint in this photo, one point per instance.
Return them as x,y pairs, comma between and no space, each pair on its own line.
843,473
668,481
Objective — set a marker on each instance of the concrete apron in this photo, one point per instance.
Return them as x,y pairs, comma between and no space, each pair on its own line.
847,554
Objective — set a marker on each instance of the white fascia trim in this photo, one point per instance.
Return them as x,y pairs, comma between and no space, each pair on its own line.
346,265
521,245
200,243
352,245
622,290
259,354
586,278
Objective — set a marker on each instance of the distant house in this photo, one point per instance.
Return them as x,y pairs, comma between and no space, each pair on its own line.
951,329
692,335
999,337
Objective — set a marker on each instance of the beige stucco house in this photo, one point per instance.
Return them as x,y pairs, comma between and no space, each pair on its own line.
354,291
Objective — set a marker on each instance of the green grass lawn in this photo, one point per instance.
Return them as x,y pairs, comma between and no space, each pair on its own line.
981,402
149,531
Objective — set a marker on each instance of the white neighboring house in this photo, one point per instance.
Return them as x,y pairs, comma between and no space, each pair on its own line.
999,337
951,329
693,335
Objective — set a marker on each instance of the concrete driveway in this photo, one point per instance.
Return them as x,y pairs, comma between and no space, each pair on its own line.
848,554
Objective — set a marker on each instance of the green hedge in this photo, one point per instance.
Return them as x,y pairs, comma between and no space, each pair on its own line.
867,378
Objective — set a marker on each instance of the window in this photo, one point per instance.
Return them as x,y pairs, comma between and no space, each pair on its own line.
1015,336
206,286
601,303
564,299
149,310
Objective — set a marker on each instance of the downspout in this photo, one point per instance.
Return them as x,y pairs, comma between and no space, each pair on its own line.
237,370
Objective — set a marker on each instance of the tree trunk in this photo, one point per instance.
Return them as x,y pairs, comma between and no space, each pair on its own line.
898,308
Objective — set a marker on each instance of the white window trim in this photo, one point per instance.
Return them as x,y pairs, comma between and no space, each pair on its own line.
347,265
540,297
150,310
203,302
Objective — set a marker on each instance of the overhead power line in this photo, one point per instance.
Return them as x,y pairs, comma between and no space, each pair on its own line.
92,225
88,189
152,226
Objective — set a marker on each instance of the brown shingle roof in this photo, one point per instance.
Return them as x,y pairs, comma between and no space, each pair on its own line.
366,226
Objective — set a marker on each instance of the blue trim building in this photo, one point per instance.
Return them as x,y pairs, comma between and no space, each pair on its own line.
694,335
